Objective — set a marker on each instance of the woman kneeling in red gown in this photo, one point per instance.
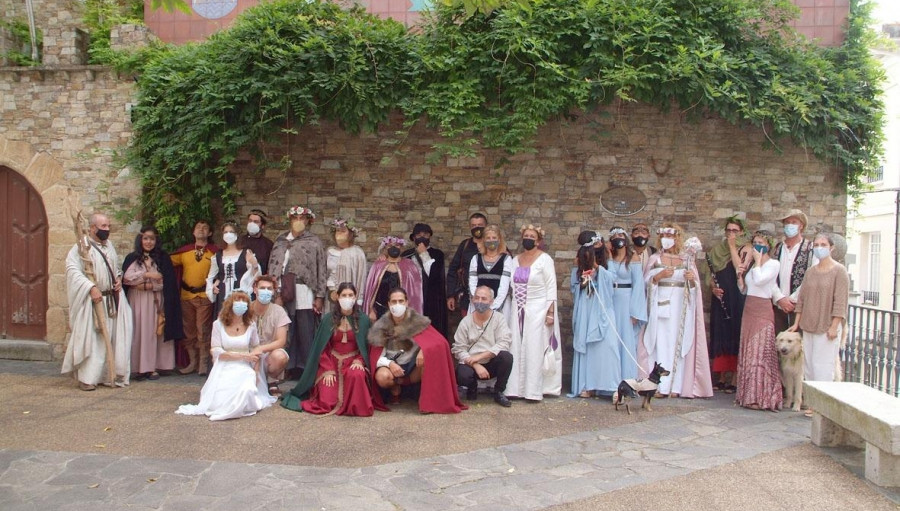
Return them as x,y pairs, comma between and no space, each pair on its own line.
341,383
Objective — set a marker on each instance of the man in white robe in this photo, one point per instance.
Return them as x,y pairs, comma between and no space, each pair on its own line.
86,353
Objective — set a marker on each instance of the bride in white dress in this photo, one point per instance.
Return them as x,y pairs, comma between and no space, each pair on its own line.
234,388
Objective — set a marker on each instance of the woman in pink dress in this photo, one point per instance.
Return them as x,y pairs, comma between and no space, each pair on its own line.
758,376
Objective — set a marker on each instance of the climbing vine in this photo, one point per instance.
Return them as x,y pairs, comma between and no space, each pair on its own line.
488,73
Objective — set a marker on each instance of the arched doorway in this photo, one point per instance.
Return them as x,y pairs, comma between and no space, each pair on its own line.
23,259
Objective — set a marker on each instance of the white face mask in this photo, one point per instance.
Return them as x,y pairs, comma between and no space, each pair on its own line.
229,237
252,228
791,230
667,243
398,310
346,302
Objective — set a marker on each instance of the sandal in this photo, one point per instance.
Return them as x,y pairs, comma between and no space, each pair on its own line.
274,391
730,389
153,376
586,394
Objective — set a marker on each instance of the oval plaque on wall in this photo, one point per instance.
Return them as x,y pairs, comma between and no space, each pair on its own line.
623,201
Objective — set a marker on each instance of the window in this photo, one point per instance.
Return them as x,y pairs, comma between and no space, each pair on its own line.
874,268
877,176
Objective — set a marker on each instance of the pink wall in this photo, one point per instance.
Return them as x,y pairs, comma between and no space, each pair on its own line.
819,19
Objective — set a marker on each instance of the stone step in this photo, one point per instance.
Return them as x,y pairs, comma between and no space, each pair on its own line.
21,349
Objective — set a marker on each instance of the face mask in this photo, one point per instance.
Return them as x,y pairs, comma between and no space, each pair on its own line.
639,241
618,243
346,302
423,240
528,244
481,306
477,232
229,237
762,249
264,296
491,245
239,308
393,251
821,252
667,243
102,234
791,230
398,310
298,225
252,229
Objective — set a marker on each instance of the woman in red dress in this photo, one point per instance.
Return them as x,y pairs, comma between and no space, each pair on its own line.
339,384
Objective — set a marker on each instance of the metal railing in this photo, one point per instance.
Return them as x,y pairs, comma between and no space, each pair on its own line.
871,354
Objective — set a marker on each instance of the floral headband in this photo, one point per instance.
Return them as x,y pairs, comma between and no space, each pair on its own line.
300,210
617,230
391,240
596,239
532,227
338,223
667,230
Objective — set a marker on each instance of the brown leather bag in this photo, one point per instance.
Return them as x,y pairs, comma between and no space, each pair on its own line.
288,287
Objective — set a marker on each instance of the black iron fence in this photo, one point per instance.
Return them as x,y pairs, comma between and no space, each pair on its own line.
871,354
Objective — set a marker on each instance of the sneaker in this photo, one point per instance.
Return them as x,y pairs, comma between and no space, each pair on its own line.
472,395
502,400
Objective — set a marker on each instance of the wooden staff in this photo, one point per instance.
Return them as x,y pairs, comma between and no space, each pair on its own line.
712,273
84,251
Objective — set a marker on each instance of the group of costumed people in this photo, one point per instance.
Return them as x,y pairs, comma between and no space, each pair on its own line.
635,306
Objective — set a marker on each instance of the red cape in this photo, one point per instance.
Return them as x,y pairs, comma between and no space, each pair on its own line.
438,394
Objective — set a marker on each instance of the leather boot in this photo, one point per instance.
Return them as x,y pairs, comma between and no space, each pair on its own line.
203,359
192,356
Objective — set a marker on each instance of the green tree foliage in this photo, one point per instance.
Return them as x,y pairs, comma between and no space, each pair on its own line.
489,73
20,33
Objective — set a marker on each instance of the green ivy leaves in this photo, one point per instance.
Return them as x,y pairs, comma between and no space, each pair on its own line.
490,73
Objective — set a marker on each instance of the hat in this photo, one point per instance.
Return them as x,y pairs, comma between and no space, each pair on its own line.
421,228
799,215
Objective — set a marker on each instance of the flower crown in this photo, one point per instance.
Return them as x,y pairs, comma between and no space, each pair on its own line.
616,230
596,239
339,222
667,230
300,210
391,240
532,227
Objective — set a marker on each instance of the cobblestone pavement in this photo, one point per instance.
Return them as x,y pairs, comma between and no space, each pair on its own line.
565,469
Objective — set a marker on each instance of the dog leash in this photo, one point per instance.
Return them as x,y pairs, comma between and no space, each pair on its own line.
616,330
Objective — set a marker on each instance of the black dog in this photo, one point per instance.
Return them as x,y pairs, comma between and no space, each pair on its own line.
630,389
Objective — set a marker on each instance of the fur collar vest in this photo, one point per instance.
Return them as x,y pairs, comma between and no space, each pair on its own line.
385,333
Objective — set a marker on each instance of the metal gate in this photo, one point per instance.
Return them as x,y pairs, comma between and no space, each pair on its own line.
23,259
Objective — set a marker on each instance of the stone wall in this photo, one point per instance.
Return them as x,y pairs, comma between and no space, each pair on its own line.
59,128
693,173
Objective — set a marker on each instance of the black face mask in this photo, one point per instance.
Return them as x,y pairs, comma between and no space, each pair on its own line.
477,232
528,243
393,251
618,243
423,240
639,241
102,234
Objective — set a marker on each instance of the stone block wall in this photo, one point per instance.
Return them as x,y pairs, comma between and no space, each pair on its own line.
693,173
59,128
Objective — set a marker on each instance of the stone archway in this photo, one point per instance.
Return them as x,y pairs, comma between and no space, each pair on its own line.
45,176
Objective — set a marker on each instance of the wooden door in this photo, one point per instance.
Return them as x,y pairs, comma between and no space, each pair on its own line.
23,259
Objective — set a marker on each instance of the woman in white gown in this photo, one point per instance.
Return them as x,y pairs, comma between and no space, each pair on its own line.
235,387
536,349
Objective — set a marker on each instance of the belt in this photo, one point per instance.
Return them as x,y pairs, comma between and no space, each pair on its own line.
621,286
198,289
108,292
671,284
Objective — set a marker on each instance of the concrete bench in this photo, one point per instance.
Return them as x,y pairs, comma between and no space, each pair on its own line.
847,413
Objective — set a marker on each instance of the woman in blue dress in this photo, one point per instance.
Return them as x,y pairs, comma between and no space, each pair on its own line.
629,299
595,367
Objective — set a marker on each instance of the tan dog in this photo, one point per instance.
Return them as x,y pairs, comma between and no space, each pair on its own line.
790,358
